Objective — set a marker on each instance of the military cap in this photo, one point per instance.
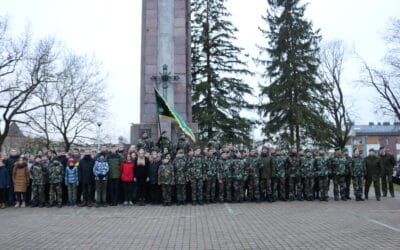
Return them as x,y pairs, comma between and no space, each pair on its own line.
196,147
337,148
372,150
307,150
345,150
38,156
167,156
164,132
381,147
180,151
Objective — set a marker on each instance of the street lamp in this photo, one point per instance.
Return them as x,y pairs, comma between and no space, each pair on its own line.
98,136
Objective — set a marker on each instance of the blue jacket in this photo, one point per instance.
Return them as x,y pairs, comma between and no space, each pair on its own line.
4,177
100,168
71,175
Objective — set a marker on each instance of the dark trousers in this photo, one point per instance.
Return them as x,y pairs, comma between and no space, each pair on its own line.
141,188
375,180
3,195
387,180
154,193
20,196
78,194
127,190
11,195
87,190
347,183
113,186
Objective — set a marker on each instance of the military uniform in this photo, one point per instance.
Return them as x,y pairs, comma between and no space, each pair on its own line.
253,179
166,180
180,179
373,172
338,166
357,170
183,144
238,176
55,177
38,173
387,163
211,171
322,176
279,181
195,173
347,177
292,166
225,179
145,143
308,171
164,142
267,173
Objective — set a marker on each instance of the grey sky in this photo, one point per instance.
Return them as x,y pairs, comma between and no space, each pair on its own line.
111,31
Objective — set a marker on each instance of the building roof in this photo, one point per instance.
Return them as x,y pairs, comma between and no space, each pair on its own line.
15,131
380,130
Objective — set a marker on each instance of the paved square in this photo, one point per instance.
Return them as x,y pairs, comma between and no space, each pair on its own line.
281,225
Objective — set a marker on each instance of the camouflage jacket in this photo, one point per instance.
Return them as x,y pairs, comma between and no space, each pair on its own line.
321,166
338,165
180,170
357,167
211,166
225,168
182,144
146,144
280,166
292,165
239,169
55,172
308,167
166,174
348,161
254,166
195,167
38,173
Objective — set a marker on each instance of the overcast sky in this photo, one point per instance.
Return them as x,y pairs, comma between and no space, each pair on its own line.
111,30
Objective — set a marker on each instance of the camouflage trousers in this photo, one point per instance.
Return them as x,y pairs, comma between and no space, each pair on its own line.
71,192
210,185
181,192
253,184
266,188
292,187
323,184
238,187
55,194
166,191
300,188
38,194
197,189
309,188
387,179
358,186
368,181
279,187
225,186
347,180
339,182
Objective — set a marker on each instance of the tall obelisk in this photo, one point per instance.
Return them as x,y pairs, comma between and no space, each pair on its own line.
165,42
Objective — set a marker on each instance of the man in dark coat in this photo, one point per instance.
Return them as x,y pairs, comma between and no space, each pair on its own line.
86,178
387,162
11,160
373,172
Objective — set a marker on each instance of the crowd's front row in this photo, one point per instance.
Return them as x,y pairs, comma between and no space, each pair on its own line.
208,176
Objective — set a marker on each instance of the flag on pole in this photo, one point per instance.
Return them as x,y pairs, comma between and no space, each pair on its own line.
165,111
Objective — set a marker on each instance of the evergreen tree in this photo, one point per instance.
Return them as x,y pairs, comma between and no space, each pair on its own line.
291,64
218,93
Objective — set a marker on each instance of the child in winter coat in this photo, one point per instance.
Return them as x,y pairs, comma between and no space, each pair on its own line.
127,174
38,173
71,180
100,171
55,174
4,183
166,179
20,181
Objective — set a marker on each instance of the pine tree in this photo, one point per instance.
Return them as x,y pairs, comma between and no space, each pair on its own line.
291,65
218,93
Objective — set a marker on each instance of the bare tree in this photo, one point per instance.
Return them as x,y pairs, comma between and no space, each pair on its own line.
332,56
79,94
387,82
22,71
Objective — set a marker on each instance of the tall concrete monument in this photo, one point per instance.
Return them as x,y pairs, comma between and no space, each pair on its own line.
165,63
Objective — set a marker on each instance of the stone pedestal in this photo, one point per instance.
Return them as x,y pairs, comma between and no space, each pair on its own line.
165,40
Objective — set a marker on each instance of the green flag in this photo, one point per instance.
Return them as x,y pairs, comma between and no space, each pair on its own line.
165,111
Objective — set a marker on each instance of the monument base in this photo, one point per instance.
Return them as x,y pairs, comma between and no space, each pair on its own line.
153,131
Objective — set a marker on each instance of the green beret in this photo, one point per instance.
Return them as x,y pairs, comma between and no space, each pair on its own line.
307,150
345,150
337,148
167,156
196,147
381,147
372,150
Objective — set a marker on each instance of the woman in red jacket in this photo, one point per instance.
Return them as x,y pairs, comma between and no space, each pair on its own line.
127,174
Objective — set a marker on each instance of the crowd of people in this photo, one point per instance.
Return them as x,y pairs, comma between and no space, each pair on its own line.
166,173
